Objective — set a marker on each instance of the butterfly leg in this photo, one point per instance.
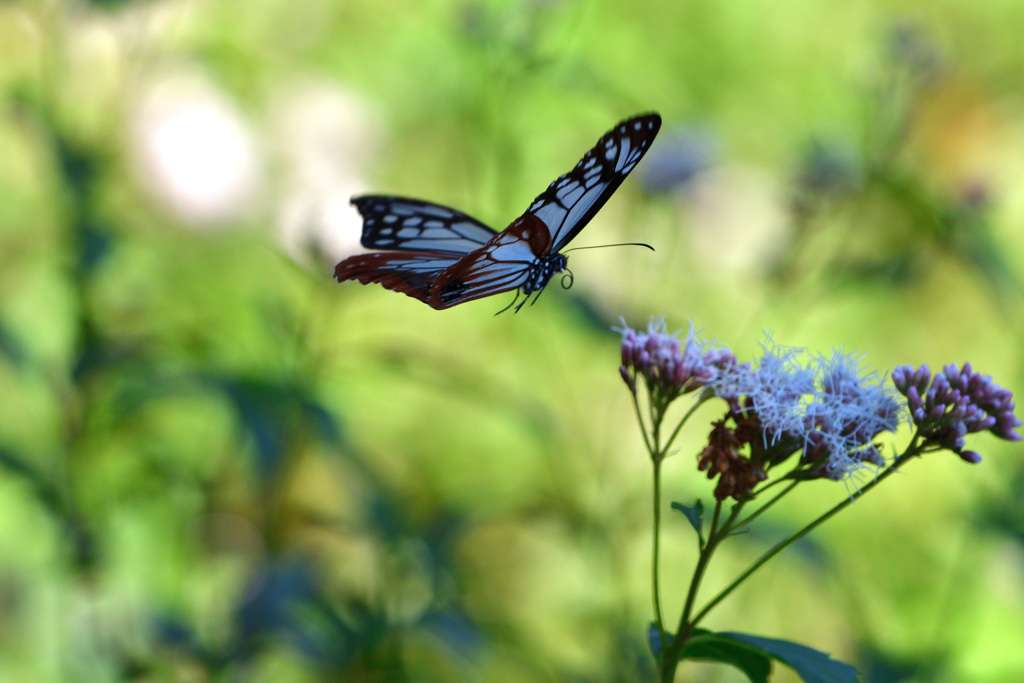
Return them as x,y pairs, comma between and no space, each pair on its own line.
512,304
537,296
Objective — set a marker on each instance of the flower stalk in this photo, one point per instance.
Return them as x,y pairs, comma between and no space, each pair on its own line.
821,416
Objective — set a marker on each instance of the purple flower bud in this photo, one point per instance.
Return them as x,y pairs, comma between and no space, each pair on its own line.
1005,424
970,456
901,378
913,399
671,366
627,378
957,403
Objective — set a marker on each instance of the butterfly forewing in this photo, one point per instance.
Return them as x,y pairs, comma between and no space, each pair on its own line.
398,223
572,200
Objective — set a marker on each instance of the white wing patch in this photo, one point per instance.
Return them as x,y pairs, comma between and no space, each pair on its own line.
512,251
581,207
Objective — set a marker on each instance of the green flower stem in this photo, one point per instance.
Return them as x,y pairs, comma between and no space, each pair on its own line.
702,562
911,451
670,657
640,421
653,414
757,513
718,532
658,454
658,619
700,401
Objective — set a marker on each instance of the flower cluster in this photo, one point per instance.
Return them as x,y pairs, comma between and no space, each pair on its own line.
955,403
670,367
821,407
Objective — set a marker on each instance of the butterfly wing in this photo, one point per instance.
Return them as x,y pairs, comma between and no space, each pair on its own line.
572,200
424,238
554,218
501,265
403,224
409,272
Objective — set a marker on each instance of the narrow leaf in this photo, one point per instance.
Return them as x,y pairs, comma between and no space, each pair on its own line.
756,665
811,665
695,515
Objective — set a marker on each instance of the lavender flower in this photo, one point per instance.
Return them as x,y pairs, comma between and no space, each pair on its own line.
846,414
957,402
669,366
775,387
824,407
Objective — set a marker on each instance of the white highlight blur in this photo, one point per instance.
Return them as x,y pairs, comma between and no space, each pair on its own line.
328,137
195,151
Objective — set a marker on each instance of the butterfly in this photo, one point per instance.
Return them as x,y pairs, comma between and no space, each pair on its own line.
444,257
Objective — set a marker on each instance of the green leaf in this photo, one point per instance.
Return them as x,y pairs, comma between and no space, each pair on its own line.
713,647
695,515
811,665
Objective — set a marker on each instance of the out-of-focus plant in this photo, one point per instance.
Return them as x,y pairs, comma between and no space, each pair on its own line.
922,216
789,418
107,390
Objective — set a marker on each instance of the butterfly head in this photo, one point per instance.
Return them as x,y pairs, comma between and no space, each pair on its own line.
538,276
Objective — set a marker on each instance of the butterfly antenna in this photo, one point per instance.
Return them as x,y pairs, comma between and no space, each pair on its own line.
620,244
567,279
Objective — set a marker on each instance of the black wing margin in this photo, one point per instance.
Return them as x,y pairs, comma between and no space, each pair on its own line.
572,200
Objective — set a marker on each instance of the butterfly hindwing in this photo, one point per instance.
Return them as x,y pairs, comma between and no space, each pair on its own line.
398,223
572,200
409,272
503,264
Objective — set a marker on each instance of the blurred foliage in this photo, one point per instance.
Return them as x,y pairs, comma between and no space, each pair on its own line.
218,464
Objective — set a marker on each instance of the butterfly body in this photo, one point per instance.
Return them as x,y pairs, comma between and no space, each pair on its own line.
444,257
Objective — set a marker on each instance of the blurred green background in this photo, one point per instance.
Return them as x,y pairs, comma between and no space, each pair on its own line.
217,464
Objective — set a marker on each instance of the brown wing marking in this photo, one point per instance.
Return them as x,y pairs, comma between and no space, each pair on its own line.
408,272
500,265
